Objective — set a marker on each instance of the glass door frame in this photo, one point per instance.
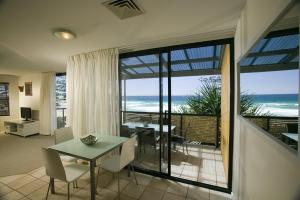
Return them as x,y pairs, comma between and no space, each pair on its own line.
168,50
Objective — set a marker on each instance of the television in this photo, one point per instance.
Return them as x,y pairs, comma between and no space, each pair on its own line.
26,113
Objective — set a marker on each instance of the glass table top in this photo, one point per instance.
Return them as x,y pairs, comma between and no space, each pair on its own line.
77,149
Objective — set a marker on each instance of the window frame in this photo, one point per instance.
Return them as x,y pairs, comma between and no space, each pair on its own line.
6,99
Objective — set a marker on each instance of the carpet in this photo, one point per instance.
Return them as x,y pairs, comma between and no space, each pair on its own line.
20,155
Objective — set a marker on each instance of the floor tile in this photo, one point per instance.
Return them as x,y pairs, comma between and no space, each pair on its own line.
152,193
21,181
4,190
133,190
143,179
9,179
12,196
158,183
113,185
38,173
216,195
197,193
170,196
32,186
178,189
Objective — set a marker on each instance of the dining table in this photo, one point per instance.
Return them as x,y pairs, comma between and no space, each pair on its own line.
90,153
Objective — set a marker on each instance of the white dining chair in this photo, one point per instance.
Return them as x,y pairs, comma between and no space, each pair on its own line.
56,170
116,163
63,135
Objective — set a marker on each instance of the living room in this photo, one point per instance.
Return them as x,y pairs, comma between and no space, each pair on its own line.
140,99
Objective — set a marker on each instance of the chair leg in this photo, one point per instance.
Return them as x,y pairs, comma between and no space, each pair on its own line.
187,151
48,190
128,170
119,185
68,191
74,185
133,173
97,178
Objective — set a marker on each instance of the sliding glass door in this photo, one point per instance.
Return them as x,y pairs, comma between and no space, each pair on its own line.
177,101
143,107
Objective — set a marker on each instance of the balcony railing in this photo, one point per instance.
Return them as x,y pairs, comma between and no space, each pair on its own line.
61,117
203,128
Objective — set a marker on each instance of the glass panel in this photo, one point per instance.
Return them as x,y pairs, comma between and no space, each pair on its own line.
164,114
269,82
4,99
196,113
140,108
188,110
61,102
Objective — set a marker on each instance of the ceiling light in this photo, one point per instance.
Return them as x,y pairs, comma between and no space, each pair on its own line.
64,34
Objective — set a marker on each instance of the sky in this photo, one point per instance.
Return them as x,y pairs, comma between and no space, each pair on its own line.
280,82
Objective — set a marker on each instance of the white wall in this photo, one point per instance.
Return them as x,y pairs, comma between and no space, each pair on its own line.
31,101
13,99
263,169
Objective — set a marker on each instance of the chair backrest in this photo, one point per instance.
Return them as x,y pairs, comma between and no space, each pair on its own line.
292,127
146,135
53,164
187,129
124,132
63,134
127,152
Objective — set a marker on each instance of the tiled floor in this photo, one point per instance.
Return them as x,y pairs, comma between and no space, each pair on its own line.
34,186
201,163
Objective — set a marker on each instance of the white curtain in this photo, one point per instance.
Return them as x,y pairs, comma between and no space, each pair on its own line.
93,93
48,104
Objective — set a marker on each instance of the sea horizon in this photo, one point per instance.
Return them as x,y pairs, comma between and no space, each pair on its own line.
275,104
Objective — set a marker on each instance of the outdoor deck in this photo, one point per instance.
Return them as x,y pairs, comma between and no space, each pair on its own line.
202,163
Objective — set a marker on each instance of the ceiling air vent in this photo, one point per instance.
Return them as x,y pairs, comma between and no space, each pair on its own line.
124,8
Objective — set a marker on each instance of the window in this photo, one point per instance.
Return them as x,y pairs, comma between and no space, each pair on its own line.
61,102
4,99
269,84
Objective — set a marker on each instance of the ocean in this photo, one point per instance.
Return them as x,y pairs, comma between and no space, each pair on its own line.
275,104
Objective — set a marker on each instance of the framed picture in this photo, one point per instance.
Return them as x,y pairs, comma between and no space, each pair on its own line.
28,88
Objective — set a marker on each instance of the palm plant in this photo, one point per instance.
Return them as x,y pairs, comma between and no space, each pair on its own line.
207,100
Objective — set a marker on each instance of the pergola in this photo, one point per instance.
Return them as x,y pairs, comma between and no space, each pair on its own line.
184,62
275,52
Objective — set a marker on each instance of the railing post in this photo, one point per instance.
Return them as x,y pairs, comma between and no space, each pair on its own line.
181,122
268,124
63,114
217,133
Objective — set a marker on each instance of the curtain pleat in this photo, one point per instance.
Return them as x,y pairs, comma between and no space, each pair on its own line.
48,104
93,93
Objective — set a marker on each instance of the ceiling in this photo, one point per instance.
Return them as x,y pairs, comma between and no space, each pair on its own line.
27,43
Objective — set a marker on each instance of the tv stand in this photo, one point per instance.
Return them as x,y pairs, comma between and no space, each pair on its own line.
22,128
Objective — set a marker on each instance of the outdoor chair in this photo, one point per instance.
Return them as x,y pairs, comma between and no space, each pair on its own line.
147,136
292,127
125,132
180,138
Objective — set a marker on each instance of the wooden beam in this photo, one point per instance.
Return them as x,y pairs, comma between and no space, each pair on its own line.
269,68
221,56
201,72
274,52
174,62
144,63
187,57
260,50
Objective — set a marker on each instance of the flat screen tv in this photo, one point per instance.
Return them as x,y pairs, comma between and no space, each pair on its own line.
26,113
